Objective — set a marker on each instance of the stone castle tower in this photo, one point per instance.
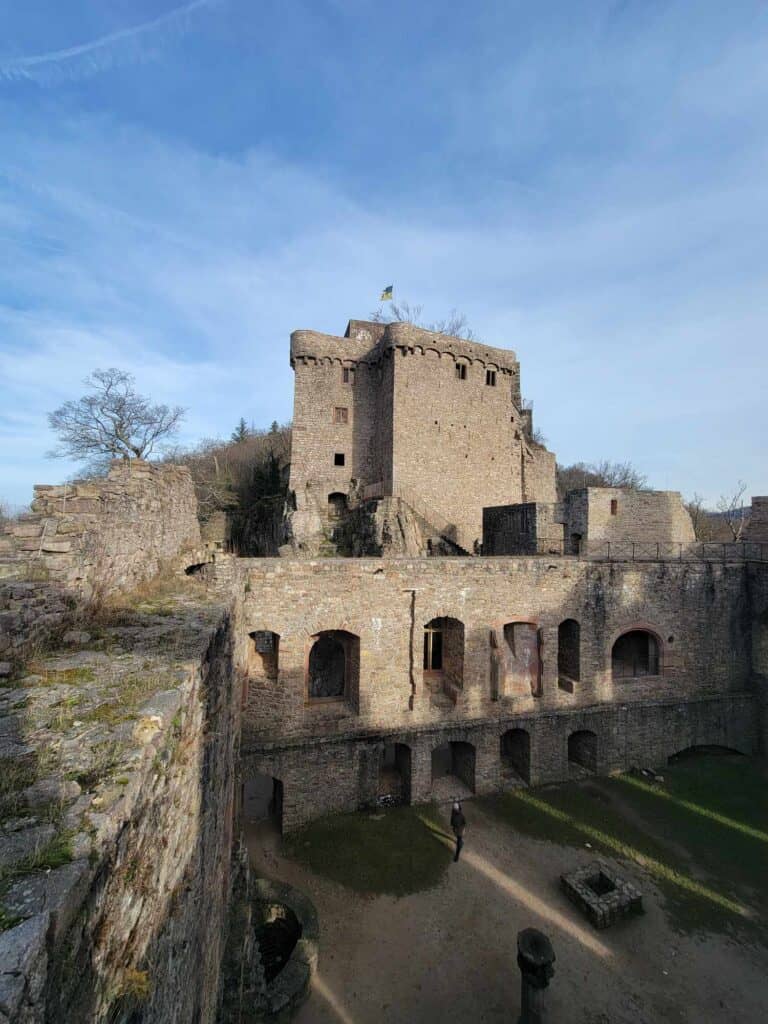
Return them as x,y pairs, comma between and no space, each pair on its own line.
395,411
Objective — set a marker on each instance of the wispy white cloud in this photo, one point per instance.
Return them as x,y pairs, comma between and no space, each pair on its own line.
629,278
103,53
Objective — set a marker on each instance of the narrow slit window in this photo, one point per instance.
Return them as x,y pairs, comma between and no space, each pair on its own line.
461,371
341,414
490,378
614,506
338,459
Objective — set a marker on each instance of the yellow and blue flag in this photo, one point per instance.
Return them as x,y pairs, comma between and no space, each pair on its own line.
386,295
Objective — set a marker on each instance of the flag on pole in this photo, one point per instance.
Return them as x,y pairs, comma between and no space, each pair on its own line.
386,295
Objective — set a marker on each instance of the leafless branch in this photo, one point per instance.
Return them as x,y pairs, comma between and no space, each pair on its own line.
112,420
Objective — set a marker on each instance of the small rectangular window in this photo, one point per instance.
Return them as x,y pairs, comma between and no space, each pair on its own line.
614,506
461,371
490,378
340,414
338,459
348,375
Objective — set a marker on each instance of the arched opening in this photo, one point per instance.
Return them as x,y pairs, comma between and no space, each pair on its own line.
523,659
333,665
635,654
264,653
443,659
516,756
453,770
337,504
582,750
262,801
395,774
703,750
568,654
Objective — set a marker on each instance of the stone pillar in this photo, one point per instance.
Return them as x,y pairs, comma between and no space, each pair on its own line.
421,768
535,958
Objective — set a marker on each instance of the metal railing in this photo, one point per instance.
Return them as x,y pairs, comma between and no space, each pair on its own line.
635,551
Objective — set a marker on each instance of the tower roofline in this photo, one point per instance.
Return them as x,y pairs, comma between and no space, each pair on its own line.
367,340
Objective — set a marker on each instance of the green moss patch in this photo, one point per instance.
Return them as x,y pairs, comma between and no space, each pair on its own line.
393,851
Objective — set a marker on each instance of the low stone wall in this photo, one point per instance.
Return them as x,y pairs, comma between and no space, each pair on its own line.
118,791
103,535
30,613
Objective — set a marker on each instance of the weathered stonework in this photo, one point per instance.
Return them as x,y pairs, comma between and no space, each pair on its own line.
596,521
427,418
105,535
327,754
129,922
601,894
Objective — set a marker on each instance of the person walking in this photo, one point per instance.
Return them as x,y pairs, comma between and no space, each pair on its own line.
458,824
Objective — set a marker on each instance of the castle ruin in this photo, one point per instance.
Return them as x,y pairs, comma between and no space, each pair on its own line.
488,636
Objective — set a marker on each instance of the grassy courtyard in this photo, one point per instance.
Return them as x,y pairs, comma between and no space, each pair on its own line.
701,835
391,851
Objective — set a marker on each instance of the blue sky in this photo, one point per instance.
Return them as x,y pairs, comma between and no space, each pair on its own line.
181,185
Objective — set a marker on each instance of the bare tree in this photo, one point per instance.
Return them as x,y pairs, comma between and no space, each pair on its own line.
599,474
733,512
455,324
112,420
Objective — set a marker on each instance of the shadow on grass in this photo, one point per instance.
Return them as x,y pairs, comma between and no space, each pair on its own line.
698,836
392,851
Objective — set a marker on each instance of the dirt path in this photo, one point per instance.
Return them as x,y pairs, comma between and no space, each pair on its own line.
448,955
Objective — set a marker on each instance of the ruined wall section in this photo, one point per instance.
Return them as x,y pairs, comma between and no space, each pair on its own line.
641,517
597,521
116,910
104,535
757,527
697,611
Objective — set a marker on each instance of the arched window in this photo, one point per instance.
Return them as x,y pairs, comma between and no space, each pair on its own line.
333,665
635,654
568,652
444,650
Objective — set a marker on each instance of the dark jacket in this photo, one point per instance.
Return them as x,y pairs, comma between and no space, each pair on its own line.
458,823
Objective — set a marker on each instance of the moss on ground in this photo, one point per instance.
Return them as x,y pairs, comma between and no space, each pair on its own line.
702,835
393,851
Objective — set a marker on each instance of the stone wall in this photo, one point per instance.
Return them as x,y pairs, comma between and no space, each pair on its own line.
115,907
757,526
30,613
341,773
103,535
617,516
597,521
698,614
